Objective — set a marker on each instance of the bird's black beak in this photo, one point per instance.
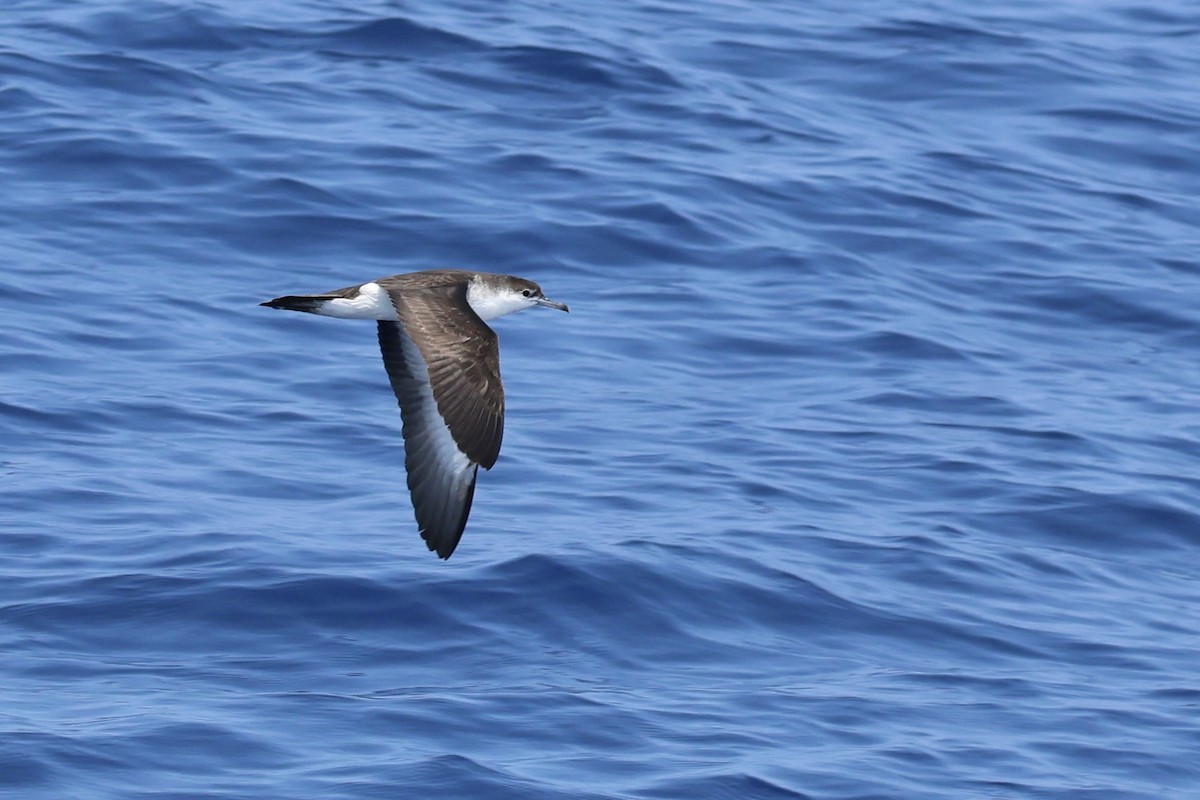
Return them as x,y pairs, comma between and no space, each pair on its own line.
548,303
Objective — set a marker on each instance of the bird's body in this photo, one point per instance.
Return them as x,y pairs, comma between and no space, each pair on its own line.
443,362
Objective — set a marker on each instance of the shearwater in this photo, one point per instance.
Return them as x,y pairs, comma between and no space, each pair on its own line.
443,362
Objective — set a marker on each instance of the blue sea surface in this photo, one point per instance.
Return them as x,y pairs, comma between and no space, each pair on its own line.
867,464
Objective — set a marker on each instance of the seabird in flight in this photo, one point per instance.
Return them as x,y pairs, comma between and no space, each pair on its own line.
443,362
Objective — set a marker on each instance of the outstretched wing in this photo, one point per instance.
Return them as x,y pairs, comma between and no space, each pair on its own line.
441,478
444,367
462,358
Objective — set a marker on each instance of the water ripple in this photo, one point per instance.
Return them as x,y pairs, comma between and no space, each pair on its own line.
862,467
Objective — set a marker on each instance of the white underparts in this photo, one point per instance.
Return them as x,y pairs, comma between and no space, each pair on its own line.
371,302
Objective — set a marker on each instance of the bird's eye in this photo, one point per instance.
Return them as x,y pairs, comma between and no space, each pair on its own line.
527,292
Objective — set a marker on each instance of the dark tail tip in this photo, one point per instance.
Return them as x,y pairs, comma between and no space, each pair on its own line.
296,302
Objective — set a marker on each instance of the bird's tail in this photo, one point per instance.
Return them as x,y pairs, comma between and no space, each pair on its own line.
312,303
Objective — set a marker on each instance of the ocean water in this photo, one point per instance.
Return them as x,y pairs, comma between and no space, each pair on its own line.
867,464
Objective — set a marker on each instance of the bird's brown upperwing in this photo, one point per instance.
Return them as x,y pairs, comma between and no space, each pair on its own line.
462,356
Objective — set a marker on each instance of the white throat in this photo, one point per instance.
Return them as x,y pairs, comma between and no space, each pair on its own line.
489,302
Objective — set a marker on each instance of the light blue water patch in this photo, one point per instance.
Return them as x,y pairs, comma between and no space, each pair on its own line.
865,465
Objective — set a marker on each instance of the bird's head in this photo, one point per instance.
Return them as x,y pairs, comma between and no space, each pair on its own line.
505,294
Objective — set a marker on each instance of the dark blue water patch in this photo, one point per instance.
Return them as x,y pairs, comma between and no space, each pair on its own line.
1128,155
728,785
583,69
107,162
906,347
953,35
161,27
469,779
312,232
1181,21
1104,523
1137,120
15,100
24,419
395,37
557,65
1107,305
530,171
58,752
130,76
861,467
747,59
281,194
188,751
122,603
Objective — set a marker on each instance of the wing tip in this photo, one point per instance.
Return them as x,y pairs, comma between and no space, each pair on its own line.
443,546
444,540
